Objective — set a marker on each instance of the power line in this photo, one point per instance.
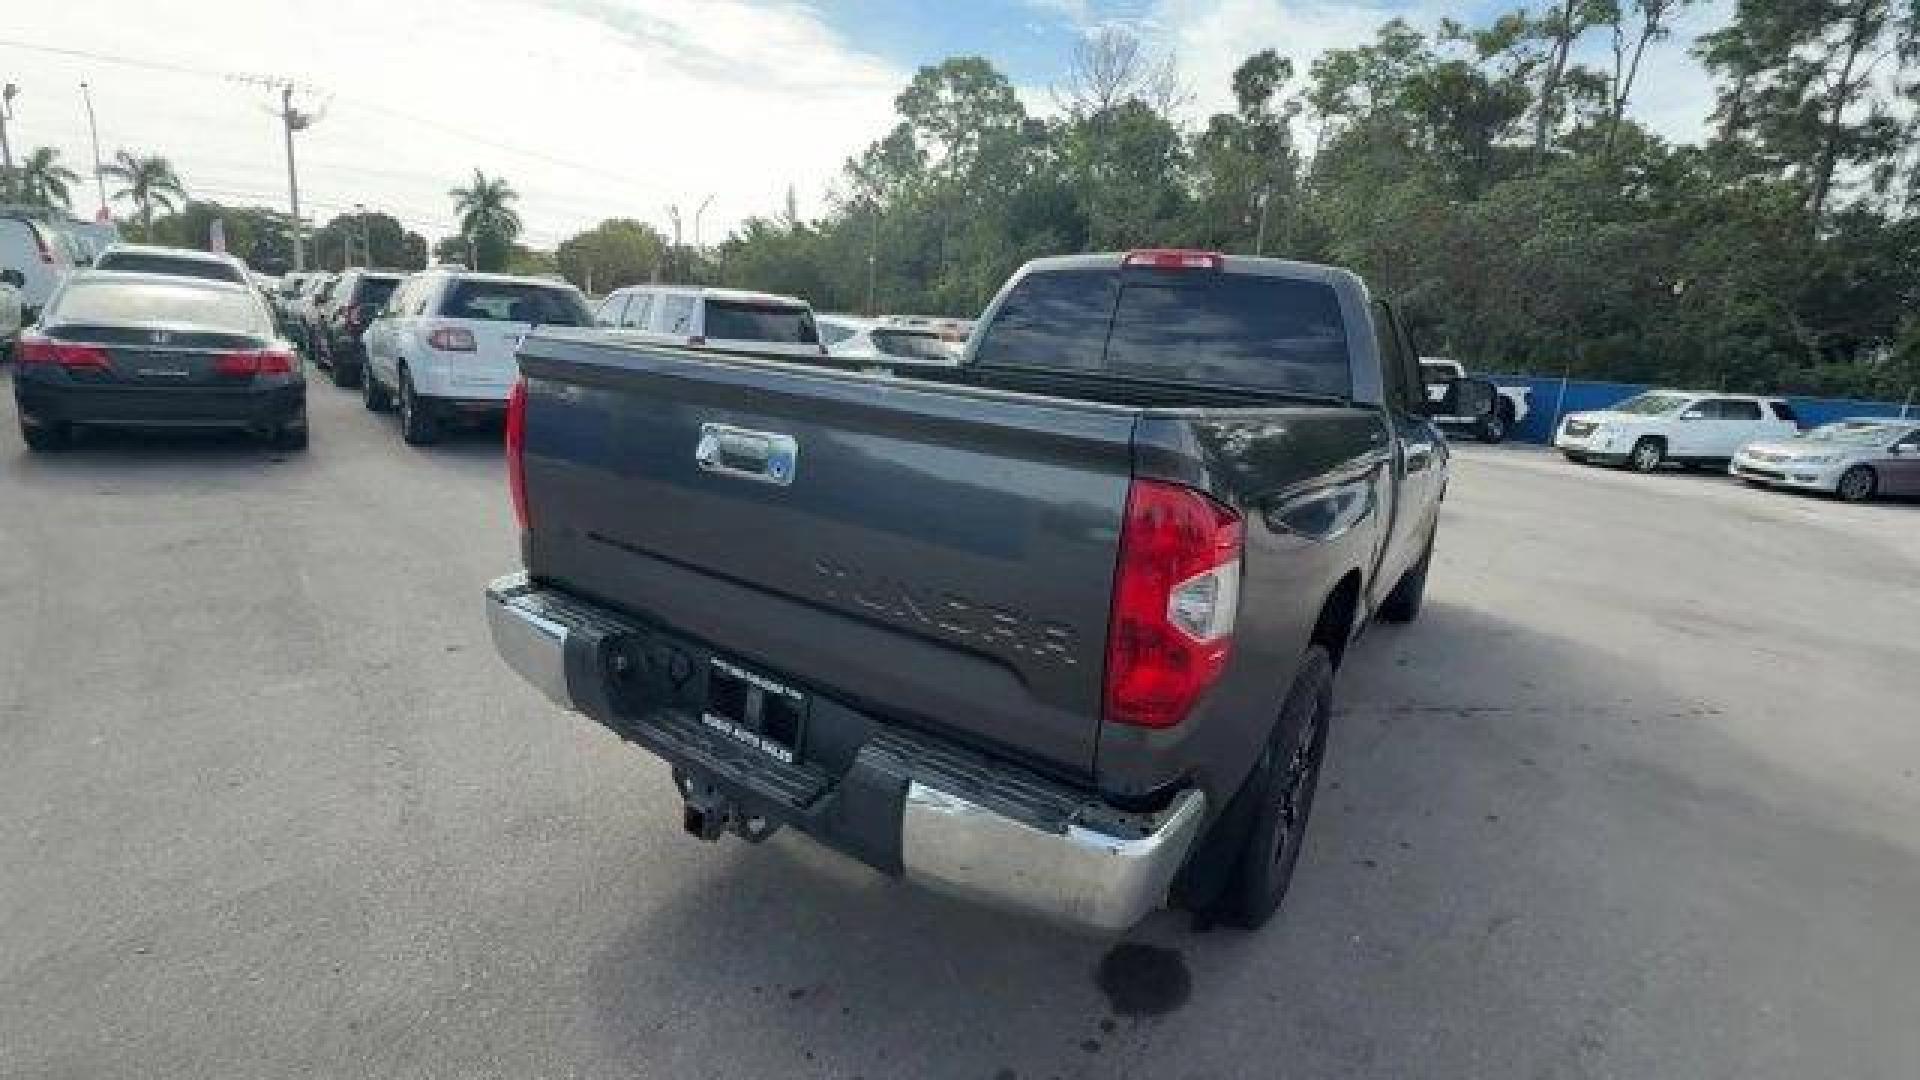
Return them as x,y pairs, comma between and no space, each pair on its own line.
371,106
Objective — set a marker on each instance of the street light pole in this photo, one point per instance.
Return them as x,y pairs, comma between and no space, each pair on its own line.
7,94
366,236
99,172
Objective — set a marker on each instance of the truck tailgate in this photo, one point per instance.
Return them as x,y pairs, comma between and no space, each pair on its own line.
938,555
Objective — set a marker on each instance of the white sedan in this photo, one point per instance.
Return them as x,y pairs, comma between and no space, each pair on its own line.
1854,459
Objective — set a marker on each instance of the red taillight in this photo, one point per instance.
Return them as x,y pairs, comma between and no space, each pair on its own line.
517,450
34,349
1176,591
254,362
451,339
1176,259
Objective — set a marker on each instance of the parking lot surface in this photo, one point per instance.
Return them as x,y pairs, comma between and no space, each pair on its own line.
1638,796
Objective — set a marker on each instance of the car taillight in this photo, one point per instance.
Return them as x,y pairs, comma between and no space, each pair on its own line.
34,349
1175,259
254,362
517,450
1176,591
451,339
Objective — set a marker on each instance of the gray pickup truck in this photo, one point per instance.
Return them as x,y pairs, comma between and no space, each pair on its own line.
1055,629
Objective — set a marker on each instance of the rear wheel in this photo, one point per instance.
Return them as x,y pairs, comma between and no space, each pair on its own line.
291,439
1494,427
1280,793
372,394
45,438
1402,605
1858,484
417,426
1647,455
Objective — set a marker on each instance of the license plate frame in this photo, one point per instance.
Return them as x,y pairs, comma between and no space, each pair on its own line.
755,710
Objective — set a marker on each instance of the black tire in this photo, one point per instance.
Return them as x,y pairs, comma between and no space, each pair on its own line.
1279,797
417,424
372,393
1577,459
1647,455
1403,604
1858,484
291,439
1493,429
345,376
45,438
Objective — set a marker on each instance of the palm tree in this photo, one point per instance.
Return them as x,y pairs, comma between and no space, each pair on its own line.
42,181
487,218
150,182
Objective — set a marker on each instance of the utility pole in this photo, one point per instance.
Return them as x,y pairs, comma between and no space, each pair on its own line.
99,171
697,250
873,252
673,257
7,94
293,120
366,236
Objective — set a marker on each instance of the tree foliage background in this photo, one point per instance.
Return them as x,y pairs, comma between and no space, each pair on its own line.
1493,179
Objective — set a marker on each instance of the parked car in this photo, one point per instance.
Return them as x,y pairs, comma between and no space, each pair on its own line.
356,298
1510,408
307,310
10,310
157,350
1056,629
181,262
444,345
30,245
1660,426
716,320
1855,459
889,341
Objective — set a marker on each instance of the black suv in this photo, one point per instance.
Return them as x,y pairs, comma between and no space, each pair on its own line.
342,318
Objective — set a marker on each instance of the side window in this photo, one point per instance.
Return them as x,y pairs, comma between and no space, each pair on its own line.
1730,409
639,310
676,314
1783,411
1399,370
611,309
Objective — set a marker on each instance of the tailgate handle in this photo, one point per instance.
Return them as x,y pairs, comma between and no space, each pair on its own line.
766,456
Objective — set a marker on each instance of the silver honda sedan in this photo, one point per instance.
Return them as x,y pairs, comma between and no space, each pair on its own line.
1856,459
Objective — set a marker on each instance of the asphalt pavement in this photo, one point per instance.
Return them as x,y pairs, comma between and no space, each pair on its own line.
1638,796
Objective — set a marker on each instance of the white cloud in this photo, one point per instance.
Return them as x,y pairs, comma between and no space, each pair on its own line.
591,108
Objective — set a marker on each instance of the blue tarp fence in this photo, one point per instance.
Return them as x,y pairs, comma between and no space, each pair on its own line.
1548,404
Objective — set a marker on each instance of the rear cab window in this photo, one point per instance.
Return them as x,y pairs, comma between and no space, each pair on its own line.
513,301
746,320
1260,331
141,262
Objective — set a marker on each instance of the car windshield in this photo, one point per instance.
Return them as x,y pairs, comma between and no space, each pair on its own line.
1650,404
373,291
147,262
1857,433
146,300
515,301
735,320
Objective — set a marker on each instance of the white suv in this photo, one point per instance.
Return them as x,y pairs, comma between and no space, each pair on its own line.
719,320
445,344
1650,429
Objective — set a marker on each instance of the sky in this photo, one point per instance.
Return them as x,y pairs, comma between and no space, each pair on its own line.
611,108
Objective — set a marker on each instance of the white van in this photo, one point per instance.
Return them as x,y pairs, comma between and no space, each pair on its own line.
719,320
34,246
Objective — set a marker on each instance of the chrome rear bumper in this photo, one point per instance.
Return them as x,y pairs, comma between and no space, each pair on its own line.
1092,868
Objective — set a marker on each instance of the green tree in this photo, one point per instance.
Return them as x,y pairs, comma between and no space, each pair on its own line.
613,254
39,180
147,182
488,220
